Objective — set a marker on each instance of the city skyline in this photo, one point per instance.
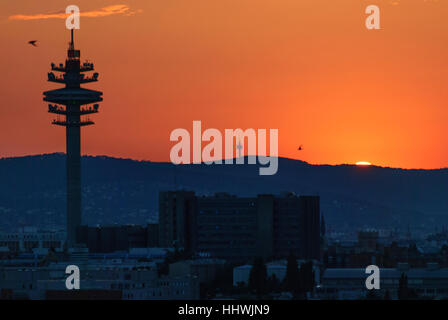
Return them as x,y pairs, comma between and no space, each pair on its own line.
291,66
336,103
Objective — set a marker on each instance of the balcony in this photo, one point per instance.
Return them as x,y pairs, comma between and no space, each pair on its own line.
86,66
65,123
92,78
60,68
63,111
53,78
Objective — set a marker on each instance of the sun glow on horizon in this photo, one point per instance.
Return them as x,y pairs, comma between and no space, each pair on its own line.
363,163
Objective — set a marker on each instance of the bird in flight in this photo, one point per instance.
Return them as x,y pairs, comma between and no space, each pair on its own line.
33,43
300,148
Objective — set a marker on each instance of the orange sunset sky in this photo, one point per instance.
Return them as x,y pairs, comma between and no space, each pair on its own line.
307,67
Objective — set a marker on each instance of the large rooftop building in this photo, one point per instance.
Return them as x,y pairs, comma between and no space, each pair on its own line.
103,277
239,229
349,283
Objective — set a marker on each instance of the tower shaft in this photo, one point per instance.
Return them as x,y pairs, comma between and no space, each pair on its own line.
73,167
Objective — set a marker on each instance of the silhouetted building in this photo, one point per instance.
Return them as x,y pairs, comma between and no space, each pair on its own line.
238,229
28,239
105,276
176,208
367,240
297,226
350,283
105,239
205,269
68,108
152,234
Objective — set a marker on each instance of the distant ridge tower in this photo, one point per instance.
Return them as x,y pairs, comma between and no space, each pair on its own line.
70,104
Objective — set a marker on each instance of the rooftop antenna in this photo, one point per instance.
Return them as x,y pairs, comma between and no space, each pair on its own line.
72,44
239,147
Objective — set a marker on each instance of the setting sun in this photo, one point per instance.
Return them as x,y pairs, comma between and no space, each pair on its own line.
363,163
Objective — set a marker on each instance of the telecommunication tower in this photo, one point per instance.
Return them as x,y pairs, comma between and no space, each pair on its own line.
71,104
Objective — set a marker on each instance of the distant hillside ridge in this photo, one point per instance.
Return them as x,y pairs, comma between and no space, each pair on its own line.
32,189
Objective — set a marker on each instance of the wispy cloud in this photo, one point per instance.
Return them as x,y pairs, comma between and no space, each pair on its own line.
117,9
397,2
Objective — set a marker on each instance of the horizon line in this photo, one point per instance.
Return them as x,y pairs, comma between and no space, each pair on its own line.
203,163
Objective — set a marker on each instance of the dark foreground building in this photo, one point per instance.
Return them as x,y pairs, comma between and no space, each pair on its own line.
106,239
239,229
